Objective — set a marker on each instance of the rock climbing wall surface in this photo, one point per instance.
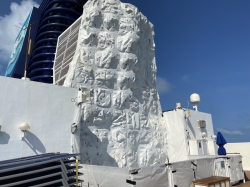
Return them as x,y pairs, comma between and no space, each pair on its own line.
115,59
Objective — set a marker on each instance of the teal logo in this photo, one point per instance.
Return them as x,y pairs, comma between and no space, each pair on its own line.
18,46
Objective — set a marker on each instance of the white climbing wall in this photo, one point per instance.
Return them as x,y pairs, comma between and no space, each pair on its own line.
115,59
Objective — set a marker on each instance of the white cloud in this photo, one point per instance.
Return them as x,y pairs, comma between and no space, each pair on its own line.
8,30
246,127
163,86
229,132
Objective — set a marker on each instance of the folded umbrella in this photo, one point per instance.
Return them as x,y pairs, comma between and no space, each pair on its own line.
221,142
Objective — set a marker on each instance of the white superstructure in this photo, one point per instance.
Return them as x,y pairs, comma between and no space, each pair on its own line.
189,136
112,115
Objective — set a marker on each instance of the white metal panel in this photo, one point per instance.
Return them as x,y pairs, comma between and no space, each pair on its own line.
188,132
46,108
176,135
193,127
200,147
66,47
204,147
212,147
193,147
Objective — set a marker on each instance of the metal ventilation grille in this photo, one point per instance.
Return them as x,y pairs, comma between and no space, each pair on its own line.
56,16
51,169
65,50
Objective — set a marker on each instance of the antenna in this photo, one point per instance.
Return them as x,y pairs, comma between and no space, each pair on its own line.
28,50
188,113
195,100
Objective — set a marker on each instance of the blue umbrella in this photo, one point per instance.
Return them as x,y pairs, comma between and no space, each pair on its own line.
221,142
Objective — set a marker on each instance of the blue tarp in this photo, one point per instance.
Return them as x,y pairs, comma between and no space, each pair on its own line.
221,142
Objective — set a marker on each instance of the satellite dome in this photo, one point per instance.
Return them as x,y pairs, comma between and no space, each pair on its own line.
195,99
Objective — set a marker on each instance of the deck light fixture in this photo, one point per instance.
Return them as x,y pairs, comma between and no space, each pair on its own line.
203,134
24,127
214,137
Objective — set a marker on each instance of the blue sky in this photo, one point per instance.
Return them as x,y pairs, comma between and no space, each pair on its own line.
202,46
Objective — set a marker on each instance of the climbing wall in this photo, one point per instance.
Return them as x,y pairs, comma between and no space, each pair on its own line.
115,59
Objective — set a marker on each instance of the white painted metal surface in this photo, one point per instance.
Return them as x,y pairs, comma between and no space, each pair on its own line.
212,147
199,147
121,122
185,137
176,135
66,48
244,149
46,108
193,128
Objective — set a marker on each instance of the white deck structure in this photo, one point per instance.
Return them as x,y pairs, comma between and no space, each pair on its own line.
121,124
186,139
48,110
